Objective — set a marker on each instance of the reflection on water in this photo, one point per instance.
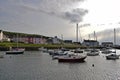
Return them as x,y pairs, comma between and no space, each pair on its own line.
35,65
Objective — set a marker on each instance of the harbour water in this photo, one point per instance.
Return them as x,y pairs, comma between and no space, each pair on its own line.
36,65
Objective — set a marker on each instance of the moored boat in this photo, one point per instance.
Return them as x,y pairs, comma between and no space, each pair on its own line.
93,52
107,50
58,54
78,50
16,51
112,57
74,58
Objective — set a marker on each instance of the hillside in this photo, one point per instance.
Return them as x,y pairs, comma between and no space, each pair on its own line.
13,34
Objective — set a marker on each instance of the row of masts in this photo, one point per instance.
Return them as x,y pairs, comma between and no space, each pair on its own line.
77,32
95,37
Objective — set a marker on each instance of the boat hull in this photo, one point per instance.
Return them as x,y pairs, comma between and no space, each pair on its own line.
92,54
81,59
14,52
112,57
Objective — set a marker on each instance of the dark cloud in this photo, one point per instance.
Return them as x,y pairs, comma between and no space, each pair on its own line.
75,16
51,5
56,8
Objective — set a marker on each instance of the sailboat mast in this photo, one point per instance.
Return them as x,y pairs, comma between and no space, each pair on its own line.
89,38
77,32
17,40
94,35
61,38
115,39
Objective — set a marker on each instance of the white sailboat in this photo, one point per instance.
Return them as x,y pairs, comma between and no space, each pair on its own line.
93,52
75,57
16,50
113,56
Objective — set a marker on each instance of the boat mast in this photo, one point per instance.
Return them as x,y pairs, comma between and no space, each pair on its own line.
94,41
62,41
89,38
115,39
17,40
77,32
94,35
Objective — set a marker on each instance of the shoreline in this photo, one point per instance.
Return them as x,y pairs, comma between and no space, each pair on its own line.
4,46
36,48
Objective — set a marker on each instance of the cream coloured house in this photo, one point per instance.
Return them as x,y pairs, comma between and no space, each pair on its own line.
3,37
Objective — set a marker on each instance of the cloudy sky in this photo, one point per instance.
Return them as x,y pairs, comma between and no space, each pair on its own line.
59,17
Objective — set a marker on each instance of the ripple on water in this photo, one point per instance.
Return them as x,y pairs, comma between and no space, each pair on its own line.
39,66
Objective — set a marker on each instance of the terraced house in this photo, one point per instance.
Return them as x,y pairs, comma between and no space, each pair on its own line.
27,38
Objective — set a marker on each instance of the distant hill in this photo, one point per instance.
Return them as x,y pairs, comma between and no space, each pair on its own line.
13,34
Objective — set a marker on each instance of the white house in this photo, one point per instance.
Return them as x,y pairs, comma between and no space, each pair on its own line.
56,40
1,35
